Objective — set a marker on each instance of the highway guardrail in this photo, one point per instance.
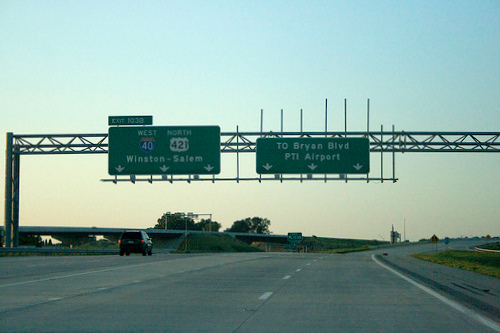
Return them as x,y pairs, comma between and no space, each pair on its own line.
55,251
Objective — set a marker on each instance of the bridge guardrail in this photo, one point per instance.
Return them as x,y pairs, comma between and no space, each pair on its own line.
55,251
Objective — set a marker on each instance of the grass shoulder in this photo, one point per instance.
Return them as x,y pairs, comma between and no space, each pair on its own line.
479,262
338,245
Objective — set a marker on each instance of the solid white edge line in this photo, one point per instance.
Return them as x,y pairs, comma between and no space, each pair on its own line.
266,295
483,320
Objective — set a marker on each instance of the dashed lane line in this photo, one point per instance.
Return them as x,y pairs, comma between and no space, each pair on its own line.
265,296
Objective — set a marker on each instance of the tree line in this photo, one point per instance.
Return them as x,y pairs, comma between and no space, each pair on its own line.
180,221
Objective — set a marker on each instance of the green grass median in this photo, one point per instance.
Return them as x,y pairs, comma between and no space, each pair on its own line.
479,262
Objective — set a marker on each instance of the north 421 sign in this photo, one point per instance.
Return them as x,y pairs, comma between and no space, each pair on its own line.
164,150
179,144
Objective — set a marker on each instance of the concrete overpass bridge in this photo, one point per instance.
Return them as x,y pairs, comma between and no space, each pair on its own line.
160,237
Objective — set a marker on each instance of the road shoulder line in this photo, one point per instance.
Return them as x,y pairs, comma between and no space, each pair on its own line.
472,314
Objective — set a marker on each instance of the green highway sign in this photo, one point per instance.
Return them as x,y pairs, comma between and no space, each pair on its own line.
164,150
130,120
313,155
294,237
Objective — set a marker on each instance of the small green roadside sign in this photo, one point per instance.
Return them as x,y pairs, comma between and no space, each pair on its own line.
313,155
294,237
130,120
164,150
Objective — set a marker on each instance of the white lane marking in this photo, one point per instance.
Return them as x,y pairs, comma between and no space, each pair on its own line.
53,299
483,320
309,264
265,296
298,270
54,278
287,277
68,276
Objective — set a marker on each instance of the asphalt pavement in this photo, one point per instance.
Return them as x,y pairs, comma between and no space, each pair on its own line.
476,291
246,292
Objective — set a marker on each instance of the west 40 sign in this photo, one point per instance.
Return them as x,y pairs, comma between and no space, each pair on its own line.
164,150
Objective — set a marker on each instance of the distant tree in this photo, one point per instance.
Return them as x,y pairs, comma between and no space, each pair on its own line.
208,225
254,225
178,221
239,226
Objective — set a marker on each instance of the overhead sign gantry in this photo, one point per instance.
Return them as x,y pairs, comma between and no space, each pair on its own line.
157,152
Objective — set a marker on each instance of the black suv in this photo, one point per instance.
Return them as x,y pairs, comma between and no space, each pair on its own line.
136,241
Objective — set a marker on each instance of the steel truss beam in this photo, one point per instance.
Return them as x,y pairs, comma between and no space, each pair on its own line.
244,142
61,144
399,142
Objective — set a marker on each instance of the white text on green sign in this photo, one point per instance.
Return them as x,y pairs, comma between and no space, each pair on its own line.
294,236
130,120
313,155
164,150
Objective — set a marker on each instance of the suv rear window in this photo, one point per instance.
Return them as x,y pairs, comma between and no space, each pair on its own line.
131,235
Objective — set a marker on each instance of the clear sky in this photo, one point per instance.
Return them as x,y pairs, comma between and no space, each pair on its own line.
65,66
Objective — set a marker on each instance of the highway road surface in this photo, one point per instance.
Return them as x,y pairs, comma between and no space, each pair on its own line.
245,292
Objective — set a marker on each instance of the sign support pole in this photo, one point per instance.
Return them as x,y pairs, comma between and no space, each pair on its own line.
237,154
393,152
15,199
367,127
8,191
345,117
382,153
12,176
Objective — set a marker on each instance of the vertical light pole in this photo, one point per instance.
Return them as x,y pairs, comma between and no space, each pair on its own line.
404,229
190,215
